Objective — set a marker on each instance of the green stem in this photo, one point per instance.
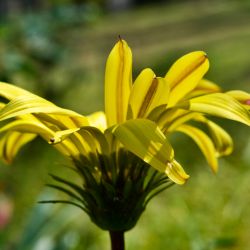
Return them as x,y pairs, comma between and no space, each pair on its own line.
117,240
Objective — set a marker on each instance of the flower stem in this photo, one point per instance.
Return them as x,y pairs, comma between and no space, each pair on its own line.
117,240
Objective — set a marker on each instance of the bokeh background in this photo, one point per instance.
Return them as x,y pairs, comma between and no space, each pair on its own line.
58,49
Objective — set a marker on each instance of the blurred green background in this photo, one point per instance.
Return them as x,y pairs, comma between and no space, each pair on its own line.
58,49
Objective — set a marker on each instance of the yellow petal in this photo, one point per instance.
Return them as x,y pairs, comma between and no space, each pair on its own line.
169,119
11,143
185,74
182,118
176,173
10,91
60,122
90,139
147,93
222,140
118,81
144,139
98,120
221,105
204,143
61,135
28,126
95,140
241,96
32,104
2,105
204,87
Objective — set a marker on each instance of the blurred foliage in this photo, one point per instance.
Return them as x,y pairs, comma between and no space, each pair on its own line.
33,49
60,53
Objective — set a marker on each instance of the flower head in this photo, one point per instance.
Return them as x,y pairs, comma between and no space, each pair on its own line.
123,155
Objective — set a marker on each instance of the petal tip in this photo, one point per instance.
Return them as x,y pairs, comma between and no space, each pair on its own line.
176,173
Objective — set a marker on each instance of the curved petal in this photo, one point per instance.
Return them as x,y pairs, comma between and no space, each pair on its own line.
222,140
148,92
89,140
28,126
169,121
36,127
176,173
144,139
204,143
98,120
32,104
241,96
9,91
185,74
204,87
11,143
221,105
118,81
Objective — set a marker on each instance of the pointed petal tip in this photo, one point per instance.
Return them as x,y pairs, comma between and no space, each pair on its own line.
185,74
176,173
121,41
52,140
205,55
214,169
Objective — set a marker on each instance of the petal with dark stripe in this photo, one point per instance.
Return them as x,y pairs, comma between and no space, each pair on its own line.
118,81
185,74
147,93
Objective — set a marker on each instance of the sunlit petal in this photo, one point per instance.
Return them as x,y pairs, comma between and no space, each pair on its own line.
176,173
9,91
147,93
97,119
203,141
144,139
204,87
222,140
241,96
185,74
170,122
12,142
90,141
32,104
28,126
118,81
221,105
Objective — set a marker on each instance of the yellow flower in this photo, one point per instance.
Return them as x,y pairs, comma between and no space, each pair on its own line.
139,115
123,154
